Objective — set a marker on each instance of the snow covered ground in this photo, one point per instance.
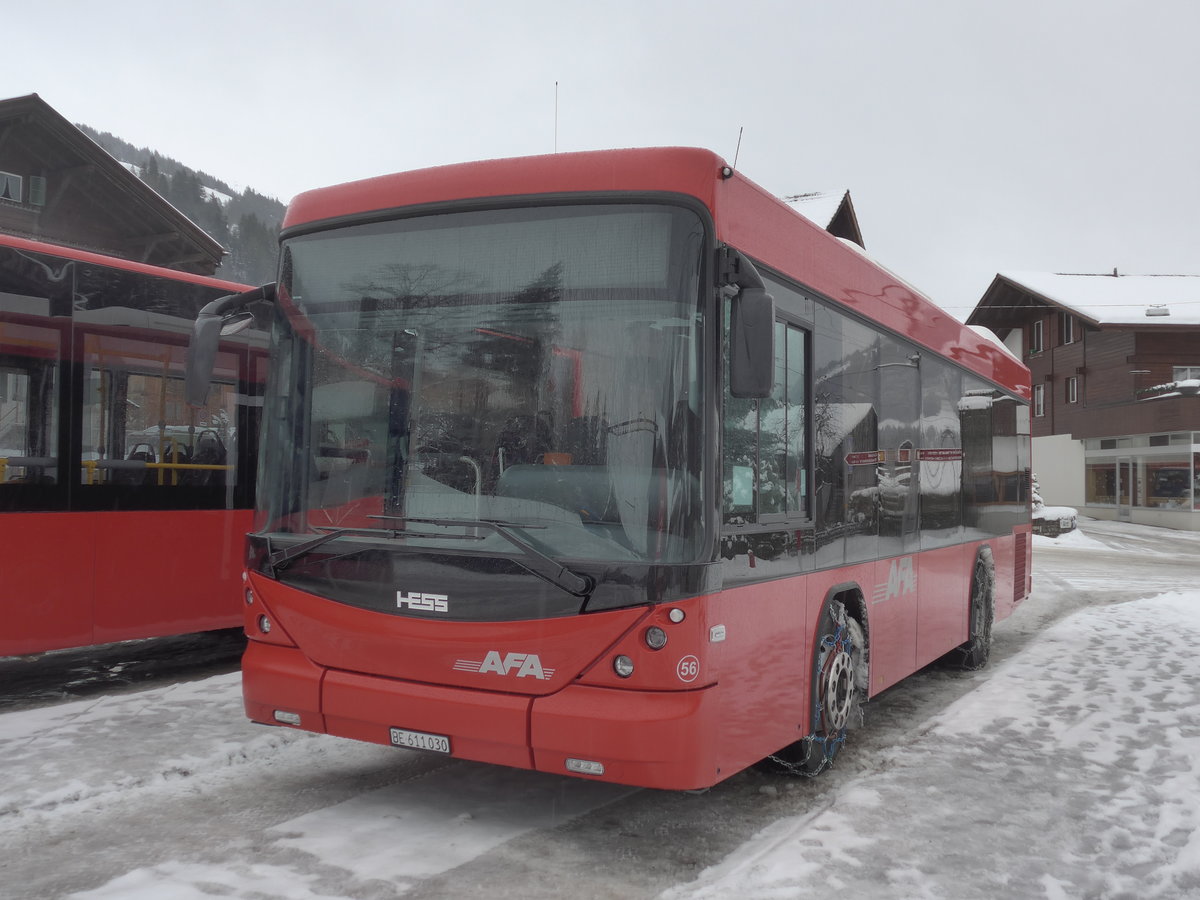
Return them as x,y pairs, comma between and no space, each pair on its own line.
1070,768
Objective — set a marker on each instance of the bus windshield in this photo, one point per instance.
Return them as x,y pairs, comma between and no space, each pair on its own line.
532,368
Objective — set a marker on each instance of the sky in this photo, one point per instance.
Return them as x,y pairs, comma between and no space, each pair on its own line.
1034,135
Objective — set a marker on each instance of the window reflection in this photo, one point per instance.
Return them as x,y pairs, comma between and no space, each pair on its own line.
29,414
136,428
766,441
535,366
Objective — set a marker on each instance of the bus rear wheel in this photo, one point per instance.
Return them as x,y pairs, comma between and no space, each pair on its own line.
975,652
838,687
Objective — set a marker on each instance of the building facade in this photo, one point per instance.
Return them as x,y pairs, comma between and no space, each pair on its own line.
1115,366
58,186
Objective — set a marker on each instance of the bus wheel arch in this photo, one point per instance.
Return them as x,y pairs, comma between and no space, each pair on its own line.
839,679
981,614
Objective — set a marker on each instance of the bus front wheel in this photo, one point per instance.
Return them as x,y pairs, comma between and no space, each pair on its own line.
839,683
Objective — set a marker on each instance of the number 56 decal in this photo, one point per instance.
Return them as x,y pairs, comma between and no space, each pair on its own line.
688,669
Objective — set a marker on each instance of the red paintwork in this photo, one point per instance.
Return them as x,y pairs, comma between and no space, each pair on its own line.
747,217
749,698
355,673
79,578
113,262
72,579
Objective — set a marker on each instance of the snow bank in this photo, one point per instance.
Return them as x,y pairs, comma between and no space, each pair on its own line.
1072,772
46,774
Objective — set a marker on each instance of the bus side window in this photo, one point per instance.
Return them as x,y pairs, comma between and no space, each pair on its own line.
137,428
765,472
28,419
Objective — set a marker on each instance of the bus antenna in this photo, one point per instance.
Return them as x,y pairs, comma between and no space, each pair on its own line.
737,149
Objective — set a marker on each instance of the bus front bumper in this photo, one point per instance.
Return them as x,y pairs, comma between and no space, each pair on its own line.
655,739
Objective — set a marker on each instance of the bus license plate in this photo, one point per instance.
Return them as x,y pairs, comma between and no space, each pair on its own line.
419,740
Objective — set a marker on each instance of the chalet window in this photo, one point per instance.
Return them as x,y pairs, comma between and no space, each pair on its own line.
1073,389
1035,337
11,187
1067,328
37,190
1039,399
1185,373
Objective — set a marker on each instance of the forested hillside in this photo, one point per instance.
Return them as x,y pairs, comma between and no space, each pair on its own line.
245,222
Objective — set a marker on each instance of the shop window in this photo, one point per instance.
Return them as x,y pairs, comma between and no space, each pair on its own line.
1100,483
1196,481
1168,484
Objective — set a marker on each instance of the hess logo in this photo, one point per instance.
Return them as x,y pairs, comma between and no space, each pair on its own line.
423,602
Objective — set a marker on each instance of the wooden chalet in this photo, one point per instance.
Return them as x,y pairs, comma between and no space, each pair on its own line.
1115,365
58,186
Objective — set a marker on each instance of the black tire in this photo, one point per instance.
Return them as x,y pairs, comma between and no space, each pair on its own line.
975,652
838,686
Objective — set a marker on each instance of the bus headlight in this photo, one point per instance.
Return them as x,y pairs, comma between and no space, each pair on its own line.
656,638
623,666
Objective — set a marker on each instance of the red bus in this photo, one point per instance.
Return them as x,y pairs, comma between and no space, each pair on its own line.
123,512
612,464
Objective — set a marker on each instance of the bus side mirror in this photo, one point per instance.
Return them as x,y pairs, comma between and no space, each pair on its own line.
752,344
223,317
201,358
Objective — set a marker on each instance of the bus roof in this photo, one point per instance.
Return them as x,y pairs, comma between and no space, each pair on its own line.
747,217
115,262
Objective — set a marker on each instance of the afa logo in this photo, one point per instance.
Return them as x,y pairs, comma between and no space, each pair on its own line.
523,665
902,579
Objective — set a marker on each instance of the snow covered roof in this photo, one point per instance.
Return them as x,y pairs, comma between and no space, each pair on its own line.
1110,299
819,206
832,210
91,200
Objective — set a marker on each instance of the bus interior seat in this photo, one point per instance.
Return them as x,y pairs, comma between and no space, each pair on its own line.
584,438
209,450
140,452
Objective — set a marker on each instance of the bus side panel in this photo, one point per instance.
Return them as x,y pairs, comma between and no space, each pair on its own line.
763,668
944,604
1012,569
168,572
892,598
46,589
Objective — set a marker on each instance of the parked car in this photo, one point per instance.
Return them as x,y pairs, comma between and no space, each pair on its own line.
1052,521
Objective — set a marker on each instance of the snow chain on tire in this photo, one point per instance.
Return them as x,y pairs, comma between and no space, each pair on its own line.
836,699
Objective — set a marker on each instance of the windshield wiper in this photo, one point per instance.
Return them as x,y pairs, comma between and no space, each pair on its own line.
541,564
281,558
